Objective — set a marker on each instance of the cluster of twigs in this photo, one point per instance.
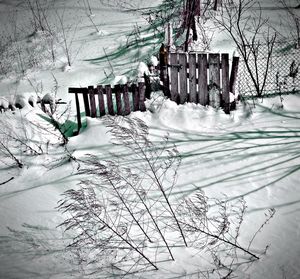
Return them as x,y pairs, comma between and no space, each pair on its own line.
125,214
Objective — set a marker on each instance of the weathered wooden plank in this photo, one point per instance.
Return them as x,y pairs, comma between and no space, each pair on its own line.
214,68
135,97
214,79
233,78
202,79
234,73
92,101
78,90
148,86
163,64
197,65
192,78
183,92
101,100
118,99
86,104
126,100
142,89
109,100
174,77
225,82
79,125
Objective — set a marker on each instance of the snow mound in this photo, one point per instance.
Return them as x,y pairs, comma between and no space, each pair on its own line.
119,80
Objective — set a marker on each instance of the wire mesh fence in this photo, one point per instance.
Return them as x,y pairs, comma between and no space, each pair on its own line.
282,76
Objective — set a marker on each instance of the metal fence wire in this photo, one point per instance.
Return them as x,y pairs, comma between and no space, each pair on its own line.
283,75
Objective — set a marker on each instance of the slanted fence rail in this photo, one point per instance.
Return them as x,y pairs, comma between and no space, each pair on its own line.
105,100
198,77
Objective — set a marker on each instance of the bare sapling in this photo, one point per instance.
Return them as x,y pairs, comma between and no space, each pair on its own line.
125,209
293,20
66,40
250,32
39,13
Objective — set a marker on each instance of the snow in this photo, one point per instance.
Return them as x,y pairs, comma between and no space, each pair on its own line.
142,69
119,80
154,61
251,153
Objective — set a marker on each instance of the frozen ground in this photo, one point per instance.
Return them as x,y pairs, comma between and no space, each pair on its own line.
252,153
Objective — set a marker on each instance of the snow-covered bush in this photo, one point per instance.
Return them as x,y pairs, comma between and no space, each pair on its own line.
18,54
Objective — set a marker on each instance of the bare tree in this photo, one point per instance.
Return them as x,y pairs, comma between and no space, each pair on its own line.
66,41
39,13
293,21
250,32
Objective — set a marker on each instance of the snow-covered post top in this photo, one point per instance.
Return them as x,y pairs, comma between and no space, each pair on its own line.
168,35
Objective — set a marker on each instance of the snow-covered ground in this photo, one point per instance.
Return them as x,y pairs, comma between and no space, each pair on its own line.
251,153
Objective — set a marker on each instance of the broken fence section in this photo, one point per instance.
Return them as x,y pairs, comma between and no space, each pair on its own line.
103,99
198,77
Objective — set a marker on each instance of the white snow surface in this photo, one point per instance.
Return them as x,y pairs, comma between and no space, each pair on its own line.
251,153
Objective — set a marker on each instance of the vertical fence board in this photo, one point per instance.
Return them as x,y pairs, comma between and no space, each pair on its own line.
142,89
126,100
86,104
234,73
183,96
101,100
135,97
163,64
110,104
192,78
174,77
214,79
148,86
225,82
92,101
78,112
202,79
214,68
233,77
118,99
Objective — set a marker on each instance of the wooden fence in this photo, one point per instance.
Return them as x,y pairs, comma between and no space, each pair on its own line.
102,100
198,77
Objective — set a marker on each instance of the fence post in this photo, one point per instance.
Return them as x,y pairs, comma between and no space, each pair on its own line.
79,125
101,100
163,64
142,106
225,83
148,86
192,78
174,77
110,105
92,101
126,100
233,77
135,97
214,79
183,78
169,35
118,99
86,104
202,79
